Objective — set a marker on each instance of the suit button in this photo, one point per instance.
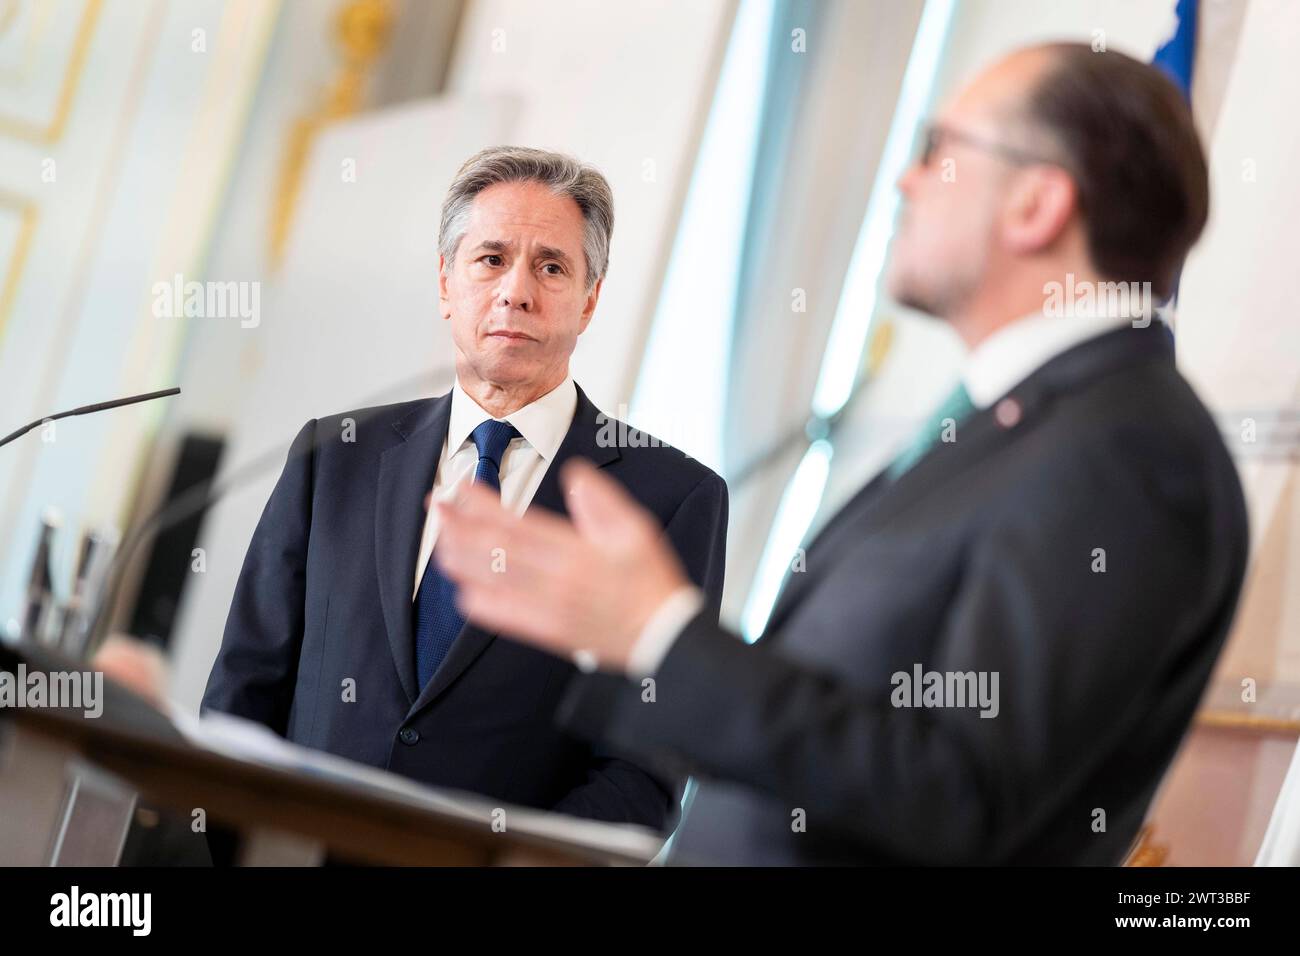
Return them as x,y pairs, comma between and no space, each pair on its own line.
409,736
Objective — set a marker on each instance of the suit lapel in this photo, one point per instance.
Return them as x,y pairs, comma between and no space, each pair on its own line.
406,473
881,499
984,433
581,441
835,527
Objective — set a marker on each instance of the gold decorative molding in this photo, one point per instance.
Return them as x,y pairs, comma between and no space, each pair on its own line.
1274,709
31,43
26,212
8,13
1229,720
879,345
51,131
1146,851
362,32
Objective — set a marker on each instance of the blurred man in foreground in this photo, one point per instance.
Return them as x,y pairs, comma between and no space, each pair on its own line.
999,642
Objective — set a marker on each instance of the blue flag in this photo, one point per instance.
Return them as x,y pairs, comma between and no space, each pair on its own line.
1177,55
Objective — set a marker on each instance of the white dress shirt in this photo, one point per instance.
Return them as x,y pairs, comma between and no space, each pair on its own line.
993,368
542,426
1008,356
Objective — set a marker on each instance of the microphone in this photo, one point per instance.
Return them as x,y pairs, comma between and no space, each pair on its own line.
197,498
87,409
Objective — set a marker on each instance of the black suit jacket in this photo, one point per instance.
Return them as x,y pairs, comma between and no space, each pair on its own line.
983,557
323,603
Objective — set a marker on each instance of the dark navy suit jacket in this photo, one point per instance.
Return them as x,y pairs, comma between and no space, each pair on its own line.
982,559
323,604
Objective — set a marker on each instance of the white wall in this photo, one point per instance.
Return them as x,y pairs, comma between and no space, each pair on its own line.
139,164
1239,323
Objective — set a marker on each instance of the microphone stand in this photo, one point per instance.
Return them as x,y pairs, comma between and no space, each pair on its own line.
87,409
194,499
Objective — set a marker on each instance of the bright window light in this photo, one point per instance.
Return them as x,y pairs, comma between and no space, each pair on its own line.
857,305
681,392
853,315
795,513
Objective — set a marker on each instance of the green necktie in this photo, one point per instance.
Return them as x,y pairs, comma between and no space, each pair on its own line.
955,407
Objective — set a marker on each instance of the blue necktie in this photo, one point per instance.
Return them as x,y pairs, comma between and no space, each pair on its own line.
437,621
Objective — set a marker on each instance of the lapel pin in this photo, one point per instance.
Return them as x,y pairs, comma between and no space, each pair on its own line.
1007,413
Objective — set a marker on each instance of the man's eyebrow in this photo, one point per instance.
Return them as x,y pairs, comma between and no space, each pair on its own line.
550,252
505,245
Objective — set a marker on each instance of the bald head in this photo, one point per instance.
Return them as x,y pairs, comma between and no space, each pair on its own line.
1054,159
1000,93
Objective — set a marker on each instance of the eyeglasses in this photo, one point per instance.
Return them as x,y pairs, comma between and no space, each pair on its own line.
934,134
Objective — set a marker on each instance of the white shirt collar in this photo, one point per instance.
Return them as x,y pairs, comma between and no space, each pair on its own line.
1013,352
543,423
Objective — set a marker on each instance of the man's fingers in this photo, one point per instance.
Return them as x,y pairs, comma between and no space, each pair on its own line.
598,504
476,505
497,606
475,501
512,598
494,543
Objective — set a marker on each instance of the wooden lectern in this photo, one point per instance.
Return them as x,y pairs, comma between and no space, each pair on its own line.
69,785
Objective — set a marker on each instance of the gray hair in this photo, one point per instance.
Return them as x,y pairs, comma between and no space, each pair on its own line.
564,175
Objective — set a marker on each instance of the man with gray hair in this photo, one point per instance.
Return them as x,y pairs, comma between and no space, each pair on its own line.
344,635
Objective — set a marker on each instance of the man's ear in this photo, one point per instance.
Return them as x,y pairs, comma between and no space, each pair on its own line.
589,309
1042,202
444,303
